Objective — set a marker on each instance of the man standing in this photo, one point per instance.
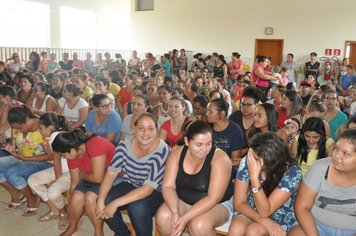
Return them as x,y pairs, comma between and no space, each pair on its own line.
312,67
292,68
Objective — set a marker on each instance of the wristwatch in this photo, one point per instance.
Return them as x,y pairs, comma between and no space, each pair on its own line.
255,189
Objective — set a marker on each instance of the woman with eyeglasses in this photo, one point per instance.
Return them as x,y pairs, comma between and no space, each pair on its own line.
103,120
312,143
72,107
227,135
43,102
244,116
326,200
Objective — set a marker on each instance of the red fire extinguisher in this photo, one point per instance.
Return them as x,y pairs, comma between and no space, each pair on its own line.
327,70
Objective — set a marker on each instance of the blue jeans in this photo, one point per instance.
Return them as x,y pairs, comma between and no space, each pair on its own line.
331,231
16,172
140,212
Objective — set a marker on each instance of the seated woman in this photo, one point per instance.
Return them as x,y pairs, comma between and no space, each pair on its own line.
7,101
27,155
200,104
244,116
102,86
172,129
43,102
266,188
197,179
312,144
142,160
326,200
72,107
127,109
264,120
139,106
26,93
85,91
88,158
104,121
227,135
51,183
57,86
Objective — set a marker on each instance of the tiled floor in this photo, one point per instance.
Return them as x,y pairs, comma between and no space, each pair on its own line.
12,223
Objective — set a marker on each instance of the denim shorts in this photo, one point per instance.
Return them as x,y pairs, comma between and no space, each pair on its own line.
16,172
332,231
85,186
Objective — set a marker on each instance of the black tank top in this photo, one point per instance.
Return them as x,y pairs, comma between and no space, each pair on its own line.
219,72
192,188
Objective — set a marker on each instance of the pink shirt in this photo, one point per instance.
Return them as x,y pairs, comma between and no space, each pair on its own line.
78,64
258,81
235,65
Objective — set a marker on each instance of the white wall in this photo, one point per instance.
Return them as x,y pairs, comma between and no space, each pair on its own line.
223,26
233,25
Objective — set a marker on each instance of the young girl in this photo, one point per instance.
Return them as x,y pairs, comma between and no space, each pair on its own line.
88,158
291,126
49,184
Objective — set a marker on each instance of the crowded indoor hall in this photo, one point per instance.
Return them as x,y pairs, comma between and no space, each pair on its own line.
119,119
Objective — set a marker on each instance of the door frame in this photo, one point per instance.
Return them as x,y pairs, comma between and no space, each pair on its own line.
260,39
347,42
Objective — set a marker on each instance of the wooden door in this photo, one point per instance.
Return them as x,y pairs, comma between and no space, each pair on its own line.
270,48
350,51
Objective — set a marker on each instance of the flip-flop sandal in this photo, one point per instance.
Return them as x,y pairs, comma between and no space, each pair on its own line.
48,216
63,222
15,205
30,211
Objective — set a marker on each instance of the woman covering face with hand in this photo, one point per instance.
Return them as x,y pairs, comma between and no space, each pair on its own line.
266,188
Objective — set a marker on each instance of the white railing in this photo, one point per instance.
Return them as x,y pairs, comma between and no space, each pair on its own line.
6,52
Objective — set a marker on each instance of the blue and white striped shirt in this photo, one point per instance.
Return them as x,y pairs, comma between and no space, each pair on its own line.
139,171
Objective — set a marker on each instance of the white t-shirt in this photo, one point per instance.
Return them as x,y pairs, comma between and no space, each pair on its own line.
353,109
72,115
63,161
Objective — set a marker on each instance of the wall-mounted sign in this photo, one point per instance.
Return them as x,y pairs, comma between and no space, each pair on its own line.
337,52
328,52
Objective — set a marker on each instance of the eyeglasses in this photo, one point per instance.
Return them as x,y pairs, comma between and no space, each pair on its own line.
246,104
106,106
330,98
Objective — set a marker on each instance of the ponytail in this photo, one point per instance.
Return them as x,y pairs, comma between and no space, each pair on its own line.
66,141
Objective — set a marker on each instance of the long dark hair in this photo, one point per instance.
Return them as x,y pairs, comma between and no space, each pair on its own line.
59,122
272,116
18,115
66,141
276,158
311,124
296,100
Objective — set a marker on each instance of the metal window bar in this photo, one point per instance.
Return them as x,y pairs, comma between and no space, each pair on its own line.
6,52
